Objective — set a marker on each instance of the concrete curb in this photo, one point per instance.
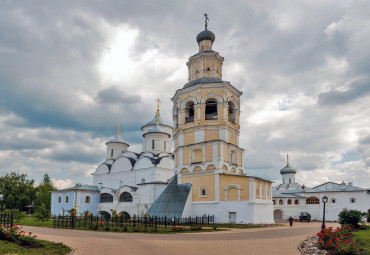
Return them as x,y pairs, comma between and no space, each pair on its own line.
73,251
300,243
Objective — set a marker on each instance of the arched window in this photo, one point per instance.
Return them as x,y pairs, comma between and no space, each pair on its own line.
203,191
231,110
111,153
59,200
312,201
290,180
274,201
106,198
333,201
143,180
87,200
353,200
189,112
67,199
280,202
289,201
125,197
211,109
152,144
164,145
296,202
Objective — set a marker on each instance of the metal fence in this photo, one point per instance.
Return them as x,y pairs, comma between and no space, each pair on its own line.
94,222
7,218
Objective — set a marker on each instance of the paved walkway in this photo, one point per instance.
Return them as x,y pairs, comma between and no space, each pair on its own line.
274,240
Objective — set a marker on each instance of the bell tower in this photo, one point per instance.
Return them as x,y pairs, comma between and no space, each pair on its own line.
206,115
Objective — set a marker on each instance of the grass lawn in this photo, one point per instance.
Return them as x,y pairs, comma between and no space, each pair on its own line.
363,237
49,249
32,222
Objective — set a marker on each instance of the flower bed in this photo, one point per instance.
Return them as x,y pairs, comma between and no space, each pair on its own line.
14,233
338,241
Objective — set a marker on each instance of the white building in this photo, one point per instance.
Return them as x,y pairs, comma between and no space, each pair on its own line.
290,198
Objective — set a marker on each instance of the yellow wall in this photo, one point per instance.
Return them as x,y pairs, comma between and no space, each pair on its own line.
209,153
197,181
232,194
197,154
189,138
185,156
211,135
240,158
226,153
242,181
258,189
232,138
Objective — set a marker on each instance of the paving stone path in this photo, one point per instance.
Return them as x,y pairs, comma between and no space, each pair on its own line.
281,240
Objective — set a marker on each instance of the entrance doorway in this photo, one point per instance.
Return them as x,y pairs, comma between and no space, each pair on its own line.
278,214
232,217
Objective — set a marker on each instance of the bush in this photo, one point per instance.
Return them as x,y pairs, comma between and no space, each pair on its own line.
338,240
351,217
42,213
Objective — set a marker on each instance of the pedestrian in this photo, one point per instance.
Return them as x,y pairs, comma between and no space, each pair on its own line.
290,221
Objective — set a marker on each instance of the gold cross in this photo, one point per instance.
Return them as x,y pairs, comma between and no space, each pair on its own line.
159,101
117,129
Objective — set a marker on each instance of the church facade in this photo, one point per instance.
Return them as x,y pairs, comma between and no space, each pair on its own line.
203,175
291,198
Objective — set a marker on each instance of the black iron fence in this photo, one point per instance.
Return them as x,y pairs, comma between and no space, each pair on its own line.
95,222
7,218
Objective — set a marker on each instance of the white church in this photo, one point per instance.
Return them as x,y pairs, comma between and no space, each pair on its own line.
195,166
291,198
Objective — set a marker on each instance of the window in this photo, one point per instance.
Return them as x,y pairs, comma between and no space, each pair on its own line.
143,180
353,200
296,202
312,201
87,200
211,109
333,201
164,145
67,199
152,144
289,201
189,112
280,202
203,191
111,153
274,201
233,157
290,180
231,110
59,200
106,198
125,197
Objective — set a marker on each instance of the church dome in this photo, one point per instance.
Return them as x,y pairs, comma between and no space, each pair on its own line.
117,139
288,170
206,35
156,129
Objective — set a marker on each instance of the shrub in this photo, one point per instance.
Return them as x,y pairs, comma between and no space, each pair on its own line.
15,234
351,217
42,213
338,240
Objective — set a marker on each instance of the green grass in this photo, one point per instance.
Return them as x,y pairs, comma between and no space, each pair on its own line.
49,249
363,237
32,222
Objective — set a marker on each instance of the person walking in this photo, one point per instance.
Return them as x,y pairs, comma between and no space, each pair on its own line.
290,221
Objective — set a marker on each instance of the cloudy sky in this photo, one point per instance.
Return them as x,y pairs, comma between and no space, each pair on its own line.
71,70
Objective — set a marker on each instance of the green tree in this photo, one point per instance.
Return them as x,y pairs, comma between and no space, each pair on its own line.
42,213
352,217
43,195
18,190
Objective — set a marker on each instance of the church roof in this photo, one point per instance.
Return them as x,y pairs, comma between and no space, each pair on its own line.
117,139
160,121
202,80
82,187
288,170
206,35
281,195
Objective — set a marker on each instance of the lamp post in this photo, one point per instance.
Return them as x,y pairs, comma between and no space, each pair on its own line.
2,203
324,200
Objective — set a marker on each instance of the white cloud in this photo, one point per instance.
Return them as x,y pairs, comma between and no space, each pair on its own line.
61,184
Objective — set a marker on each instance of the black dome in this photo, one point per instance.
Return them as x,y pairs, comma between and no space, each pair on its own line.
206,35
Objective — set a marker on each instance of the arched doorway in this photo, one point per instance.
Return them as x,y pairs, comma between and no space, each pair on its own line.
278,214
104,214
126,215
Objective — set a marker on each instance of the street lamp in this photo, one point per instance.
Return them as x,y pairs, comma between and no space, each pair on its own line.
2,203
324,200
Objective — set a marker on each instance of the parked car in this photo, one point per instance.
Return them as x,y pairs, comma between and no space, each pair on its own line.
305,216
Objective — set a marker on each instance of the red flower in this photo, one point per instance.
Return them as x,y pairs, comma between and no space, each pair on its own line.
30,233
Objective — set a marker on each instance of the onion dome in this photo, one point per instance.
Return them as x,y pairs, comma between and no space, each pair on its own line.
160,121
117,138
206,35
288,169
156,129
